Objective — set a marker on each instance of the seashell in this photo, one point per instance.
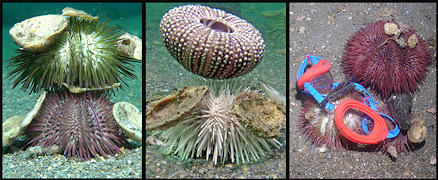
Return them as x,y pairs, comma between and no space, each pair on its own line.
130,46
68,11
417,132
15,126
38,33
412,41
154,141
273,94
129,119
260,115
391,28
169,110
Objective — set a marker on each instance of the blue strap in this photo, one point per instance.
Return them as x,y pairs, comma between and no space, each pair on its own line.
319,97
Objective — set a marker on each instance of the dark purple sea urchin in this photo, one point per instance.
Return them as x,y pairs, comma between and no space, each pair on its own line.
379,62
82,125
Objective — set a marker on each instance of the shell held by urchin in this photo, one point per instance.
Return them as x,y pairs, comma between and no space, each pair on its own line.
81,125
84,56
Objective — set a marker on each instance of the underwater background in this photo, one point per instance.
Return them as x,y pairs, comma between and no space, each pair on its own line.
128,18
164,75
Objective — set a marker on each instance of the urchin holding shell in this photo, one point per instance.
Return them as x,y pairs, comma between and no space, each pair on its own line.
212,129
388,57
210,42
83,56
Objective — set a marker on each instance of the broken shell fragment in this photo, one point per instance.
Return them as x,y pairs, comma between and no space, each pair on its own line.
169,110
130,46
68,11
260,115
15,126
412,41
417,132
391,28
129,119
38,33
75,89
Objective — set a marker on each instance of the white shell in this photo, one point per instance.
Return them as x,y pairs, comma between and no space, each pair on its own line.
38,33
130,46
15,126
129,119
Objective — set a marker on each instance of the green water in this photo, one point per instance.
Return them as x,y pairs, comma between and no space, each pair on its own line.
126,16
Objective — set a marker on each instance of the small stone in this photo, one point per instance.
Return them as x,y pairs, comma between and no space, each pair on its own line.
393,151
322,149
302,30
431,110
229,165
300,17
433,160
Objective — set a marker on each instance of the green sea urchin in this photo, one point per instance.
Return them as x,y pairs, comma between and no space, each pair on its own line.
84,56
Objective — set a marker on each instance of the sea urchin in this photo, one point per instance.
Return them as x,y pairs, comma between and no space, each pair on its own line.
210,42
83,56
380,61
81,125
213,129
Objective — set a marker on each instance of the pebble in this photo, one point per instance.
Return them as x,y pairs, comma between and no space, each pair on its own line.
432,160
431,110
302,30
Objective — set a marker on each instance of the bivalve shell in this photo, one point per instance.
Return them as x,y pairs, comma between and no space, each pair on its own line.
129,119
169,110
260,115
38,33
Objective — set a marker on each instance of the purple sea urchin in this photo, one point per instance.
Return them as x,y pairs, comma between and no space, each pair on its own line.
382,62
210,42
318,125
82,125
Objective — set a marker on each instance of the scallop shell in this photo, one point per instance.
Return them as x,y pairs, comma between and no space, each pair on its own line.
129,119
260,115
169,110
15,126
38,33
